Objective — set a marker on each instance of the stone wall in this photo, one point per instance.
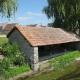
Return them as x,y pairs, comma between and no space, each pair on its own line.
26,47
35,60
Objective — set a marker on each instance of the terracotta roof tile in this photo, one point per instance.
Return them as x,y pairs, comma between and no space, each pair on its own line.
9,26
38,36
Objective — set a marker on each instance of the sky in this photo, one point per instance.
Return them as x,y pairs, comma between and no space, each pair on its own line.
29,12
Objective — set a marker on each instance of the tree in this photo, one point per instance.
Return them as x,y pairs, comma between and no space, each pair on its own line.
50,24
66,13
8,8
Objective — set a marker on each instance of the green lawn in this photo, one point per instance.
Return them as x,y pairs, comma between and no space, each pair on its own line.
1,33
3,40
70,72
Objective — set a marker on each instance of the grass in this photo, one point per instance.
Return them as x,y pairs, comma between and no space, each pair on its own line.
3,40
16,70
60,61
73,75
70,72
1,33
67,68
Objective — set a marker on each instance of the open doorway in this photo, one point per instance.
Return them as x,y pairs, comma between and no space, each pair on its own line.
49,51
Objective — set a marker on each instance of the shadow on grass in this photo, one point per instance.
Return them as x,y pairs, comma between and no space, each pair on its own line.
74,75
24,78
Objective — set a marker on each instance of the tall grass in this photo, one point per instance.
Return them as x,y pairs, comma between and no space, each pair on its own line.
16,70
55,75
60,61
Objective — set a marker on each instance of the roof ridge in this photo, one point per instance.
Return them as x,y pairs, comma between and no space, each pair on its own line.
37,37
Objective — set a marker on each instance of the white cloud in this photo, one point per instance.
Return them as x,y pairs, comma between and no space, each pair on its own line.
35,14
38,21
38,14
24,18
30,13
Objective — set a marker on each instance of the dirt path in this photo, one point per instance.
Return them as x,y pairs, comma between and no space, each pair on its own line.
2,35
22,75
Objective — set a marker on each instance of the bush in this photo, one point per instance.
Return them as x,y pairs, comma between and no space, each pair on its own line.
19,60
4,65
13,53
10,50
1,68
13,58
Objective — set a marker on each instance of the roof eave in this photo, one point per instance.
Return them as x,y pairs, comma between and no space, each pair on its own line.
11,31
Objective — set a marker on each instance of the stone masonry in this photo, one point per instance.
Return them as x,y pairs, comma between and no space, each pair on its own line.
31,53
34,59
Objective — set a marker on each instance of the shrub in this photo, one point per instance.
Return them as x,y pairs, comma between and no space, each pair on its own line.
4,65
10,50
1,68
14,61
19,60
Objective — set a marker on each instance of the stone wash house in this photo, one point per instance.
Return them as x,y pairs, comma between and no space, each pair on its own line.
42,43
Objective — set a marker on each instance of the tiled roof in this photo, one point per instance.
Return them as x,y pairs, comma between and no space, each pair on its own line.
32,25
9,26
38,36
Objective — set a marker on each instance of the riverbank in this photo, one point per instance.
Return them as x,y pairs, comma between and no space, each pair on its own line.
70,72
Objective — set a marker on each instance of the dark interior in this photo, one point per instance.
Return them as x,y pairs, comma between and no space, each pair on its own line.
55,49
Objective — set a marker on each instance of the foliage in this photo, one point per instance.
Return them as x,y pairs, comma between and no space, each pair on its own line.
50,24
60,61
10,50
16,70
13,62
66,13
19,60
4,65
13,53
8,7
